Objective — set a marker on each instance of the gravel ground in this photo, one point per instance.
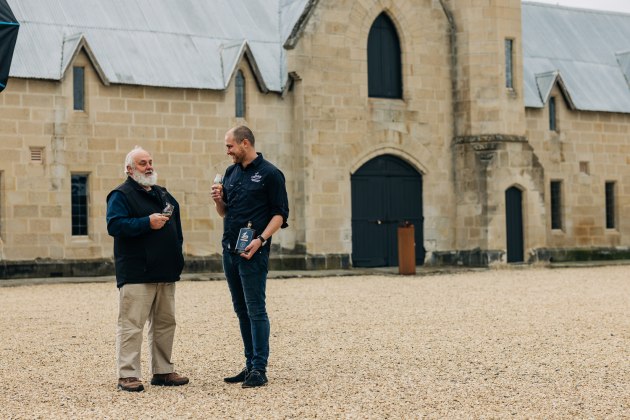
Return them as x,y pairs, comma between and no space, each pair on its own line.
534,342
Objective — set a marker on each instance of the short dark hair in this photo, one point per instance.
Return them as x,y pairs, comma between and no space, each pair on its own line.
241,133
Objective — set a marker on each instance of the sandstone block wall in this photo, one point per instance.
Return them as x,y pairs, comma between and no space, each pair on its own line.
341,128
183,129
587,150
471,139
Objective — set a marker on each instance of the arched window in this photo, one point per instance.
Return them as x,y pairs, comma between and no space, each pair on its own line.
384,66
240,94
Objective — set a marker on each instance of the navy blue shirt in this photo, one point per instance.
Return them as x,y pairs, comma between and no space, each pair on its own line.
120,223
252,194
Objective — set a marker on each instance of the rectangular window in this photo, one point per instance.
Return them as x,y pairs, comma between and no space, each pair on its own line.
509,65
79,205
552,114
556,204
240,95
78,77
610,205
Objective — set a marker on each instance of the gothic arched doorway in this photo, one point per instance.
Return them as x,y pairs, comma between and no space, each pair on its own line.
386,191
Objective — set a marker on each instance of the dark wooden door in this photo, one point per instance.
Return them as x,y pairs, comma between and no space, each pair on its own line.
386,192
514,224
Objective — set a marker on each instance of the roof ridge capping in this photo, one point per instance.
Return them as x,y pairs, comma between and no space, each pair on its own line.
547,80
72,45
574,8
300,24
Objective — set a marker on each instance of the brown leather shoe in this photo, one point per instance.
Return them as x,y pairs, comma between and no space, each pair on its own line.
169,379
130,384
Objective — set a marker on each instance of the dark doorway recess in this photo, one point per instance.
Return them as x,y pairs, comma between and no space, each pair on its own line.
514,224
386,192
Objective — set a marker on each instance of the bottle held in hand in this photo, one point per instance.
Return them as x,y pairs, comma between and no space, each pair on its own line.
245,236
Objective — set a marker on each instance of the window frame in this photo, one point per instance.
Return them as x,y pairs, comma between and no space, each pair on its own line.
509,63
78,88
240,94
555,204
83,207
384,65
553,114
610,188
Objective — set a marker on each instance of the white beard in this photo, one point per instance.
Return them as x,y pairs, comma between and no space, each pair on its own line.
145,180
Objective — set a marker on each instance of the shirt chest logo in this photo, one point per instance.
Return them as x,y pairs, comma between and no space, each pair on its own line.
256,177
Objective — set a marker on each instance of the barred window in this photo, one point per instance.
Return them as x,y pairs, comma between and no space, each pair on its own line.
79,205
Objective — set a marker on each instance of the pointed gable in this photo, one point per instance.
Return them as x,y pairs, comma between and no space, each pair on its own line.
545,83
72,45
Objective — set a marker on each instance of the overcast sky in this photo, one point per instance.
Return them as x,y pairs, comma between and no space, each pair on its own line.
615,5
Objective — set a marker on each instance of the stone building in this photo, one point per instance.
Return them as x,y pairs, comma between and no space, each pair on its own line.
500,130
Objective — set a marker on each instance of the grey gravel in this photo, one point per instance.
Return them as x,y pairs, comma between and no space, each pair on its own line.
499,343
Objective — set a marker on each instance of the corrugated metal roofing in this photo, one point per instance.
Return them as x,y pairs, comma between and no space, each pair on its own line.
183,43
198,43
586,50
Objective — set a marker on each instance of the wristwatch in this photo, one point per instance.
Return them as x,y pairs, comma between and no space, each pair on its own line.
263,241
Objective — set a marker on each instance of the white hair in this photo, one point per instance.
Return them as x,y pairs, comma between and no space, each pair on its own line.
129,159
141,178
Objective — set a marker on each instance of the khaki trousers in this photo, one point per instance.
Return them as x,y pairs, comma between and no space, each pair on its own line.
139,303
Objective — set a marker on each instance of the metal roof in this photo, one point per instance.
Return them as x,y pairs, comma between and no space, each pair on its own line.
586,52
182,43
199,43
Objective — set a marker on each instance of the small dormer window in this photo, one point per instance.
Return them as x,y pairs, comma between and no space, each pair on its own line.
552,114
240,94
78,84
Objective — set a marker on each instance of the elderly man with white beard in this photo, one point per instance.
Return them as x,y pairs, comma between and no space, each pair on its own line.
144,220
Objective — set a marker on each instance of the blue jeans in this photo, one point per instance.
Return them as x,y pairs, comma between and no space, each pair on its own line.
247,280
